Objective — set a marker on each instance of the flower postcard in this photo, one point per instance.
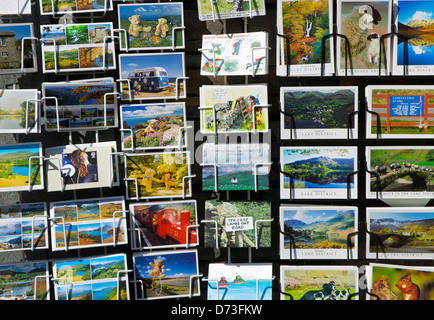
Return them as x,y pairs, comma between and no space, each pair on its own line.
166,274
88,223
152,76
19,111
91,278
400,233
246,281
164,224
398,282
319,112
157,175
222,9
318,172
234,54
153,126
233,108
238,224
25,281
363,23
313,232
17,49
50,7
235,167
16,7
301,28
23,226
150,26
403,111
319,282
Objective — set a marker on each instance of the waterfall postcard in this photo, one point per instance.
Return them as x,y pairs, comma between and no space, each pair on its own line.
223,9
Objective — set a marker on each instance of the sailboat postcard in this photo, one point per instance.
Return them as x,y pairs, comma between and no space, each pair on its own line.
224,9
247,281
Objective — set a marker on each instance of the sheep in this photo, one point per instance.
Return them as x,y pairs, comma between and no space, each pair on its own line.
374,48
355,27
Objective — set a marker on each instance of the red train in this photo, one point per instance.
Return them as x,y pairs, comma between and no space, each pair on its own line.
168,224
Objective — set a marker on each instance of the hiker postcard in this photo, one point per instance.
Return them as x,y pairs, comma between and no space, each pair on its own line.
227,9
152,76
400,233
50,7
399,112
319,172
167,224
153,126
303,45
23,226
166,274
75,106
319,112
312,232
157,175
238,224
245,281
235,167
150,26
19,111
233,109
363,51
319,282
397,172
91,278
88,223
234,54
398,282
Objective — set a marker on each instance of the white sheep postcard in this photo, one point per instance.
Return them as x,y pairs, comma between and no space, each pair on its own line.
301,27
363,23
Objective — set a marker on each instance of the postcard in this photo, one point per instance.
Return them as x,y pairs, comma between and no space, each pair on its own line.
414,55
246,281
239,224
16,7
21,167
166,274
319,282
152,76
19,111
319,112
301,27
318,172
235,166
153,126
74,6
222,9
76,106
20,280
15,58
313,232
164,224
397,172
157,175
400,233
150,26
91,278
363,23
88,223
398,282
233,108
81,166
234,54
403,111
77,47
23,226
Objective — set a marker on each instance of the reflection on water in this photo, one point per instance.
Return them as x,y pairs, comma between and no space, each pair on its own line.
308,180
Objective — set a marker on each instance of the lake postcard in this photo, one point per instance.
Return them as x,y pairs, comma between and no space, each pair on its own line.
251,281
166,274
15,167
321,172
19,111
317,233
400,233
